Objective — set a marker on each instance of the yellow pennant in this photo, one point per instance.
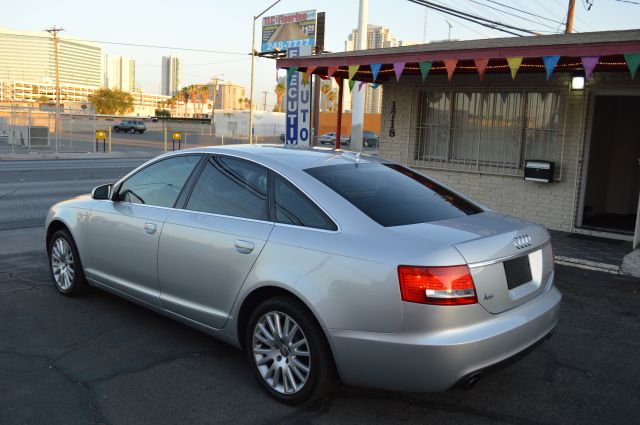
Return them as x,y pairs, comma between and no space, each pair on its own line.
514,65
305,79
352,71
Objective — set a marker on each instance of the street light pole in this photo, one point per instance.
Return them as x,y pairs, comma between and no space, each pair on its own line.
54,32
253,56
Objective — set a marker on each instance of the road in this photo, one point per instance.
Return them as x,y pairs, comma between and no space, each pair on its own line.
101,359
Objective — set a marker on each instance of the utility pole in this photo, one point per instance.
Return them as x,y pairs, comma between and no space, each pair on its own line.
358,96
572,6
264,100
450,26
54,32
216,79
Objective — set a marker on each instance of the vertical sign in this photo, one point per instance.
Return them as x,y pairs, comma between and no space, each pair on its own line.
298,101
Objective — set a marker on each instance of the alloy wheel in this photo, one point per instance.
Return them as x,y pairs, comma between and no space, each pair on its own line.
281,352
62,264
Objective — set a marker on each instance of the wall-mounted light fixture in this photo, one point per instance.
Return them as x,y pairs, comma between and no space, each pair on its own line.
577,81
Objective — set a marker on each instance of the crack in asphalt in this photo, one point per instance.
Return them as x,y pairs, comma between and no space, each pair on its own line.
9,193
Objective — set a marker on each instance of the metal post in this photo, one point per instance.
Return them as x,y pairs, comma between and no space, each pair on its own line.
339,118
109,139
164,124
253,56
222,140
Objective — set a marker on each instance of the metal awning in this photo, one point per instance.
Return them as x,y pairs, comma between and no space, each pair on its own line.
608,46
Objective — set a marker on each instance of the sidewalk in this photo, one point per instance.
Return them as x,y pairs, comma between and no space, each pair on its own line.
78,155
589,252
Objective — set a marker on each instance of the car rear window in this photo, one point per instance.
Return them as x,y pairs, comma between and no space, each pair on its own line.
393,195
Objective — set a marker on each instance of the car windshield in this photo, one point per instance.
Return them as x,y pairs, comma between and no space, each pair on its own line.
393,195
369,134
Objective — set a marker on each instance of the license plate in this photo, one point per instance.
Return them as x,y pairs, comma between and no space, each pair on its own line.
518,271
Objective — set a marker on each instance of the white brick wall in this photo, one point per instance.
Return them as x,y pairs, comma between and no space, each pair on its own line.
553,205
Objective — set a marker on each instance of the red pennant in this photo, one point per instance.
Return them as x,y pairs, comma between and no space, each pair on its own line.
450,64
310,69
481,66
331,70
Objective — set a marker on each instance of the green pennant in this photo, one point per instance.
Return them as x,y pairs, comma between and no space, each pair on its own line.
633,61
351,84
290,71
425,67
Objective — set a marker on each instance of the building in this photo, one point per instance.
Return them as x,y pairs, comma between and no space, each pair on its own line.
72,96
566,101
378,37
119,73
29,56
226,94
171,75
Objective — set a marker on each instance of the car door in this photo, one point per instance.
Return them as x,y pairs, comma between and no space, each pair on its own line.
208,248
123,232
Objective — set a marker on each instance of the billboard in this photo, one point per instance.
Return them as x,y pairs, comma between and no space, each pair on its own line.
298,104
290,30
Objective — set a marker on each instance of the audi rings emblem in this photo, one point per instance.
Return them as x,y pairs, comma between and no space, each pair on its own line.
523,241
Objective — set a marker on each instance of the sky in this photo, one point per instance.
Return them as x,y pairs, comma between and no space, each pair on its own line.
225,26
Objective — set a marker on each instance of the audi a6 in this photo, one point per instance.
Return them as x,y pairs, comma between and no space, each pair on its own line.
320,264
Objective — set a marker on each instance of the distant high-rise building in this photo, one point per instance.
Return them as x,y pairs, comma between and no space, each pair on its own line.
228,94
28,57
378,37
119,73
171,75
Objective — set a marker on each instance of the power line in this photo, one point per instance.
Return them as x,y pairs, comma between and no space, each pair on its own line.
628,1
513,14
499,26
524,11
199,64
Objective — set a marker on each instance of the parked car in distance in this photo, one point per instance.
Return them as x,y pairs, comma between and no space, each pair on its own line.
282,137
370,139
315,262
133,126
154,119
330,138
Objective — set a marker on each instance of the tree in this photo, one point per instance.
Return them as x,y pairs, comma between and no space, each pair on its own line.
194,95
111,102
280,90
325,89
331,97
183,96
204,96
163,113
43,99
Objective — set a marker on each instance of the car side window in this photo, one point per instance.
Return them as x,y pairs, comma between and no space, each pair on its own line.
160,183
294,207
232,187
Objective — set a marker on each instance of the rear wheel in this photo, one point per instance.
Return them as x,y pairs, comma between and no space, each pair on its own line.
65,266
287,351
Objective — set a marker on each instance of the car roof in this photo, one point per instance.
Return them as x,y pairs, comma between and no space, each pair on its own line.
296,157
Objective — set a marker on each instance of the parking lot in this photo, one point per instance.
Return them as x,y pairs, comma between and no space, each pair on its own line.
101,359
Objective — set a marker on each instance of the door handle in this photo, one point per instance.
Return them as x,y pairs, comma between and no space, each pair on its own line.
150,228
244,247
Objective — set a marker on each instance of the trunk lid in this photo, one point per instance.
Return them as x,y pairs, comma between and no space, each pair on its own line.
510,259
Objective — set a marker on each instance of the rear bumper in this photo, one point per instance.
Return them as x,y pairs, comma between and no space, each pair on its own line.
459,342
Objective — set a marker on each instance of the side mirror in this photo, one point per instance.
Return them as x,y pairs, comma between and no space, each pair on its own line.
102,192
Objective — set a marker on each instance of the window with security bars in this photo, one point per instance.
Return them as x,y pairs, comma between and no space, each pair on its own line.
486,131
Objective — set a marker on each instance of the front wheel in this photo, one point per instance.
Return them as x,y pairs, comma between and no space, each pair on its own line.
65,266
287,351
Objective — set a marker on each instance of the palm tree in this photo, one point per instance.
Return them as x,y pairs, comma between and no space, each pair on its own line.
203,96
183,96
331,97
280,90
194,95
325,89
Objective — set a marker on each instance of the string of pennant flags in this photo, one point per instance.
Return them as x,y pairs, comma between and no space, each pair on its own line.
588,63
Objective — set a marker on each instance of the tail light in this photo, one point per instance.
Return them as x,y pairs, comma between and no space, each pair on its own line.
451,285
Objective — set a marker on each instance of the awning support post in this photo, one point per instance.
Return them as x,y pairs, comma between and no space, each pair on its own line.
339,120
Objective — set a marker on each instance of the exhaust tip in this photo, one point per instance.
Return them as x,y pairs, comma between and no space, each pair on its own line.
471,381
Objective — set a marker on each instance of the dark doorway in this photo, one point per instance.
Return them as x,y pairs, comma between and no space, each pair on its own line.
613,174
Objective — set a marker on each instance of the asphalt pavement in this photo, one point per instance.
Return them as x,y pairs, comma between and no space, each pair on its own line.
100,359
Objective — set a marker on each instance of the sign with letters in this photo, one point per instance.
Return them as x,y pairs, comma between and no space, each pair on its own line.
290,30
298,104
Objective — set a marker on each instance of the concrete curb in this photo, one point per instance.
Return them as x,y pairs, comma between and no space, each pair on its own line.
77,155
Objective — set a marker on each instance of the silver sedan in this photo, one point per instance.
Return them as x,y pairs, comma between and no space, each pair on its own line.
320,264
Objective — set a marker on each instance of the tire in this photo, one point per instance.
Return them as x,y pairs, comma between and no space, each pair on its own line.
60,264
320,376
116,130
